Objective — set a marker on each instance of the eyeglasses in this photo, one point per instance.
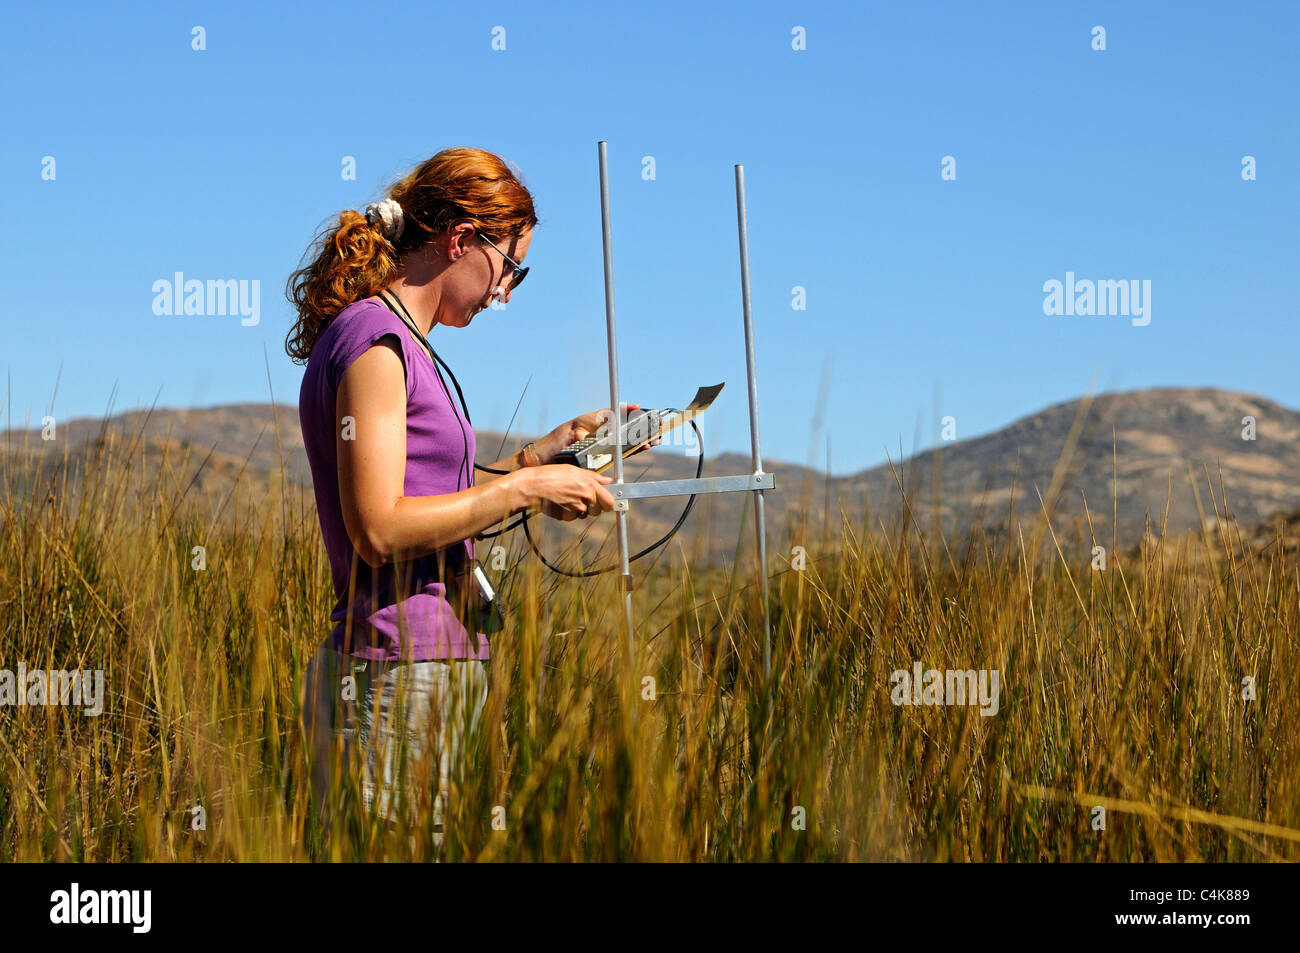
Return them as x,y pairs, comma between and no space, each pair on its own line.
517,276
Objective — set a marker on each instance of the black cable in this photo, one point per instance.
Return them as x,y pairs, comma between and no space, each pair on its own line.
504,529
463,406
523,519
464,438
699,468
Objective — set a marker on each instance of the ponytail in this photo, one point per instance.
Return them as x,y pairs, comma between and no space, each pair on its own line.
353,260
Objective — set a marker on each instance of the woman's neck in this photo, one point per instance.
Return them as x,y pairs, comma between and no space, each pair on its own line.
421,302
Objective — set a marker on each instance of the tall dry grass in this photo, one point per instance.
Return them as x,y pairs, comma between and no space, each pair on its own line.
1120,688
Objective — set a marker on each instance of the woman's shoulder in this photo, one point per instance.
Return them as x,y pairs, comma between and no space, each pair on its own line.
359,321
365,314
356,328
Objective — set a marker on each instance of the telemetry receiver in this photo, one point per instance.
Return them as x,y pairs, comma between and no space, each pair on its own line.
596,451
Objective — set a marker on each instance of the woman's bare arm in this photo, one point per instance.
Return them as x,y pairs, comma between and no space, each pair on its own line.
512,463
380,521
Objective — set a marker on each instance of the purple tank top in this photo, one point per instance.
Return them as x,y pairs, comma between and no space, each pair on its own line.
399,611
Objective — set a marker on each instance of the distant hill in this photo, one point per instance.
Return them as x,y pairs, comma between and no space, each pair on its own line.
1139,445
1138,454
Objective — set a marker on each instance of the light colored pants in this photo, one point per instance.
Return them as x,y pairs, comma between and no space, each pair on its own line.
402,718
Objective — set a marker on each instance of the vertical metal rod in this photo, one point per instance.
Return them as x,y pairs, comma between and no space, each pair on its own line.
756,453
616,419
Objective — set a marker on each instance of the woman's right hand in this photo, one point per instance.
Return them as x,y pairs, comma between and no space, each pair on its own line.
563,491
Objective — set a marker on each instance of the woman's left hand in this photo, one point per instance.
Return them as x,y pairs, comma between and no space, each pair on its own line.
583,426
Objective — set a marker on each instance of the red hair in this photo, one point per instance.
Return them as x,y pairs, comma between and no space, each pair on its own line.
352,260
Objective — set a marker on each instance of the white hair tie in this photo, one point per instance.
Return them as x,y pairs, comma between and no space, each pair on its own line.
389,213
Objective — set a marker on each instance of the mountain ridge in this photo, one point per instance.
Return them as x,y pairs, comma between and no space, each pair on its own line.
1138,443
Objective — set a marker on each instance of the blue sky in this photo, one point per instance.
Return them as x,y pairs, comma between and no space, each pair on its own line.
1122,164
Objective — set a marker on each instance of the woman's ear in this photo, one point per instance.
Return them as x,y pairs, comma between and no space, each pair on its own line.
457,239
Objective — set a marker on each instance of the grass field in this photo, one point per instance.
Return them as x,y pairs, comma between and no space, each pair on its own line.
1121,689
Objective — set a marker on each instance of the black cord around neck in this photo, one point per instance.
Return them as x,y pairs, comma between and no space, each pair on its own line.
405,316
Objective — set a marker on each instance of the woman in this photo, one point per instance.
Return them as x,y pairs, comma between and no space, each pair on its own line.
392,461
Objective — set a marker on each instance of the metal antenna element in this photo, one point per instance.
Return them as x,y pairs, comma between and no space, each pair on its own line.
757,481
756,454
616,421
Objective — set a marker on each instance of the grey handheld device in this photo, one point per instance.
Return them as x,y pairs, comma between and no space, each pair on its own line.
596,451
